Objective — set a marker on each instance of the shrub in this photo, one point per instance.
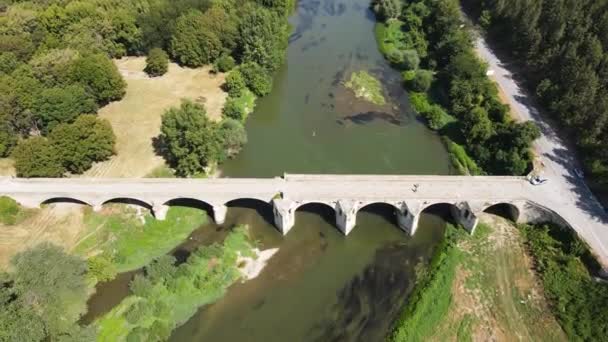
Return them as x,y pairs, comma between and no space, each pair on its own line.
157,62
8,139
422,80
36,157
9,209
224,63
235,83
233,110
436,117
407,76
101,268
257,78
420,102
234,136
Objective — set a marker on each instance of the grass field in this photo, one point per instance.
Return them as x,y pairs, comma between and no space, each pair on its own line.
136,118
484,290
131,239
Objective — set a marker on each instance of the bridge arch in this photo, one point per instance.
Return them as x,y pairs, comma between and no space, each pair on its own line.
387,210
506,210
70,200
325,210
263,208
190,203
128,201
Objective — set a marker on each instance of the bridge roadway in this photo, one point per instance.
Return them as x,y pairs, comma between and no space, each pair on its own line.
346,194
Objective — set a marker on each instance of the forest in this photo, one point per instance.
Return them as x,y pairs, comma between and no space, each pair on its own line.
448,86
56,67
561,47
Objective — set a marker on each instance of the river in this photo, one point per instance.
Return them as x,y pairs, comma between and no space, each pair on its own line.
320,285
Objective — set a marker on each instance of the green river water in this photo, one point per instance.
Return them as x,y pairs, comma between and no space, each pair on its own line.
321,285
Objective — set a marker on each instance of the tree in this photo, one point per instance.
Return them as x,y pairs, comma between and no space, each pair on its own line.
233,110
36,157
83,142
8,137
387,9
410,60
62,105
193,142
100,77
51,282
263,37
256,78
422,80
235,83
8,62
192,43
224,63
477,126
234,136
157,62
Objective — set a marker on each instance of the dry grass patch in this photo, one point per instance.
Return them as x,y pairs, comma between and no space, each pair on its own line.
136,118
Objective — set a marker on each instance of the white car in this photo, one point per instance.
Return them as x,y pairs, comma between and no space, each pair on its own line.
536,180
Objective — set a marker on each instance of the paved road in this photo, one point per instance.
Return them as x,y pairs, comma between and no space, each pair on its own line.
576,202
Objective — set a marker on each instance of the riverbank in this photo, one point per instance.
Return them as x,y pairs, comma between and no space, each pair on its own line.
168,295
480,287
449,88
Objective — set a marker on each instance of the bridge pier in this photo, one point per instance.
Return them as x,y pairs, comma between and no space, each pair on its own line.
465,217
284,216
219,213
346,216
407,221
160,211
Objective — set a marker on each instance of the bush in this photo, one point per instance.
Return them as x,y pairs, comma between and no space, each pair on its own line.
9,209
235,83
422,81
8,139
436,117
256,78
101,268
233,110
420,102
36,157
157,62
407,76
80,144
224,63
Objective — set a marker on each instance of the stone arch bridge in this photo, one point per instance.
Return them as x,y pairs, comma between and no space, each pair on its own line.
346,194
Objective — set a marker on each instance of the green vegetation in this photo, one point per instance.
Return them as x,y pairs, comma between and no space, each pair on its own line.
44,296
366,86
428,34
239,107
460,159
55,59
168,295
11,212
478,287
157,62
577,300
563,47
193,142
70,147
128,243
428,305
162,171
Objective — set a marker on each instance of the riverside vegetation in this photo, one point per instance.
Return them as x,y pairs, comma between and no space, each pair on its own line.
449,86
562,48
55,64
495,272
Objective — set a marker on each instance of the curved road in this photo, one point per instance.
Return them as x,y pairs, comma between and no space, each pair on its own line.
557,161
